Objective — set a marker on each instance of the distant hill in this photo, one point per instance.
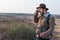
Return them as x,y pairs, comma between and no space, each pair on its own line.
23,14
16,14
57,16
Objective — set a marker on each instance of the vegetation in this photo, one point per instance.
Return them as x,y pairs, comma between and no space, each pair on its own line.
21,31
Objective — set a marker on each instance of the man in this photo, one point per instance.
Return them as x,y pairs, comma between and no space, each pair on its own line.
45,23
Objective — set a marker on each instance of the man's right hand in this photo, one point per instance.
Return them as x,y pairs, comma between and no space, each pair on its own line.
36,16
37,11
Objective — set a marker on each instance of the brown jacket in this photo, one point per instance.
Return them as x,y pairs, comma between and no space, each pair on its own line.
42,21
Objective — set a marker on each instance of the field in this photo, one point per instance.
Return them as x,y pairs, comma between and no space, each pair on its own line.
56,34
11,22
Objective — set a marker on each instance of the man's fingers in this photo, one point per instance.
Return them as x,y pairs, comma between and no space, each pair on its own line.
42,35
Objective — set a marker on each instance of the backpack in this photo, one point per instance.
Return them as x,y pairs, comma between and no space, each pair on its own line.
47,20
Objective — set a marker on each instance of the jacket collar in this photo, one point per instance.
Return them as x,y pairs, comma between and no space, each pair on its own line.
46,15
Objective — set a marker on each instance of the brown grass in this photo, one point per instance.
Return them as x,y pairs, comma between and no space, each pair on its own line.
7,21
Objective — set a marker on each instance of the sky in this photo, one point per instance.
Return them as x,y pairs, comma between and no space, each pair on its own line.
28,6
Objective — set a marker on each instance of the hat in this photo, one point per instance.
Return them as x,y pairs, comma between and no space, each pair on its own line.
42,6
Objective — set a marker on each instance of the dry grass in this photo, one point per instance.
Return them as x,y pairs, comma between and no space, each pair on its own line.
8,21
56,33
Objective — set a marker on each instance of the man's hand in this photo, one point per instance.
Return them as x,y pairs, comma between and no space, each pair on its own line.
37,11
42,35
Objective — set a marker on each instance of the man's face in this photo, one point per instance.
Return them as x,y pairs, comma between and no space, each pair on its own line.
41,10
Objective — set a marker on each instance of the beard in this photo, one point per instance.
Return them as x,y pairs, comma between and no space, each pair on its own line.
42,13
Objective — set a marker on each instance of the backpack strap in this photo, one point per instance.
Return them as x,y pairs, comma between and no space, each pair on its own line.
47,20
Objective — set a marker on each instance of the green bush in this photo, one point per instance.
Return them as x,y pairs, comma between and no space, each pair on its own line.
21,31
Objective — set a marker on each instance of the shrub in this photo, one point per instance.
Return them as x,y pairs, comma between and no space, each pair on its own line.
21,31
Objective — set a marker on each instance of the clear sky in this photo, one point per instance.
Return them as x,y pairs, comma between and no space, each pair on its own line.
28,6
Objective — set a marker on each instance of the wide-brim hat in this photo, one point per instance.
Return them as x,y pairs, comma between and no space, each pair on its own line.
42,6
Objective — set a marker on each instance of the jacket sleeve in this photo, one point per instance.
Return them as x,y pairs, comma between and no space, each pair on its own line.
51,26
36,17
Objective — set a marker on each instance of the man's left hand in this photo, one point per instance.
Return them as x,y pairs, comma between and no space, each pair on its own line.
42,35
